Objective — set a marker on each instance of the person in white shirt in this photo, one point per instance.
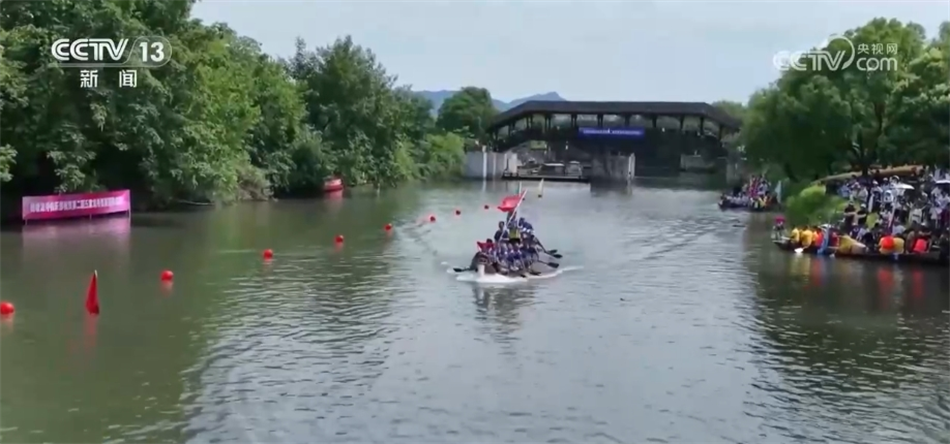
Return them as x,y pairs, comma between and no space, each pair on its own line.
887,196
844,191
884,216
863,195
916,215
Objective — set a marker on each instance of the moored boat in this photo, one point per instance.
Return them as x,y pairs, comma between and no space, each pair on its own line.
925,259
332,184
725,204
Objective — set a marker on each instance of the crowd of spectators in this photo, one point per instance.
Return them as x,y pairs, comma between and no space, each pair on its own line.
755,194
887,215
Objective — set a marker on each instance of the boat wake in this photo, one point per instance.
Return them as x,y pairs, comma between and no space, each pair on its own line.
497,279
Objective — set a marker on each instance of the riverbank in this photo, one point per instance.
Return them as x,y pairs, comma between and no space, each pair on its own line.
11,207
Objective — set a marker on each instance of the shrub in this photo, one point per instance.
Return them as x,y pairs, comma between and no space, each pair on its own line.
813,206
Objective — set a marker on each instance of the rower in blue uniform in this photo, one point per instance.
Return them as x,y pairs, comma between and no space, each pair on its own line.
524,224
514,261
501,234
528,253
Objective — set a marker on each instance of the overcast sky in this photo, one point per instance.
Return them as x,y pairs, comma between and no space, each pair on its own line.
631,50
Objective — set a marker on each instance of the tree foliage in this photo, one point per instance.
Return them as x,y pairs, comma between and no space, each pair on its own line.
734,109
818,121
468,111
222,121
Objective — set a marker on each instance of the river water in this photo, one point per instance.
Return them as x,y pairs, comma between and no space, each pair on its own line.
673,322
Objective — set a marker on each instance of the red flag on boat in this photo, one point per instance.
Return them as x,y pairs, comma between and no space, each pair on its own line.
509,203
92,294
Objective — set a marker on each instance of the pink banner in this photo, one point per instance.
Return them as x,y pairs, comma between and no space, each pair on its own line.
63,206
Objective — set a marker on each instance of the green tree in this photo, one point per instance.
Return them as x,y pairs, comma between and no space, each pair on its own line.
11,94
818,121
942,40
350,100
734,109
220,122
440,155
923,105
468,112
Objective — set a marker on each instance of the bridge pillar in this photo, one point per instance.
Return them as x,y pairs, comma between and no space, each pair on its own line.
607,167
489,165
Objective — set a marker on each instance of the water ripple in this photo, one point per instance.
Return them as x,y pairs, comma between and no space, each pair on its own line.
683,325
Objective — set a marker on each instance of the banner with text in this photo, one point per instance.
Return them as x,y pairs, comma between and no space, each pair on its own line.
63,206
631,133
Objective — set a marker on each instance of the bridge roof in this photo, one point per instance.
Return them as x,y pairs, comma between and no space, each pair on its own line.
697,109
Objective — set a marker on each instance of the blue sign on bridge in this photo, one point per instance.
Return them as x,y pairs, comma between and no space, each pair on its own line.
625,133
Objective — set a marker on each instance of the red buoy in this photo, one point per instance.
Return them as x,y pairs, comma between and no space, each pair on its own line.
388,227
432,218
486,206
268,254
92,294
338,239
458,212
6,308
167,276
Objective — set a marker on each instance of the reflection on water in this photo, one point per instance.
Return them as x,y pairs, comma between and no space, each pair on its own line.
105,239
111,233
499,310
845,342
685,324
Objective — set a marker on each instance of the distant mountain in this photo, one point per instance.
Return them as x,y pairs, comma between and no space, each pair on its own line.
546,97
437,97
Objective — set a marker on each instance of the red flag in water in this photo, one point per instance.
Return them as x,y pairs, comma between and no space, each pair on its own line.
92,294
509,203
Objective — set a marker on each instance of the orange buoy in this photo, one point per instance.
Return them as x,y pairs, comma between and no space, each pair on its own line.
167,276
458,212
338,239
388,227
6,308
432,218
92,294
268,254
